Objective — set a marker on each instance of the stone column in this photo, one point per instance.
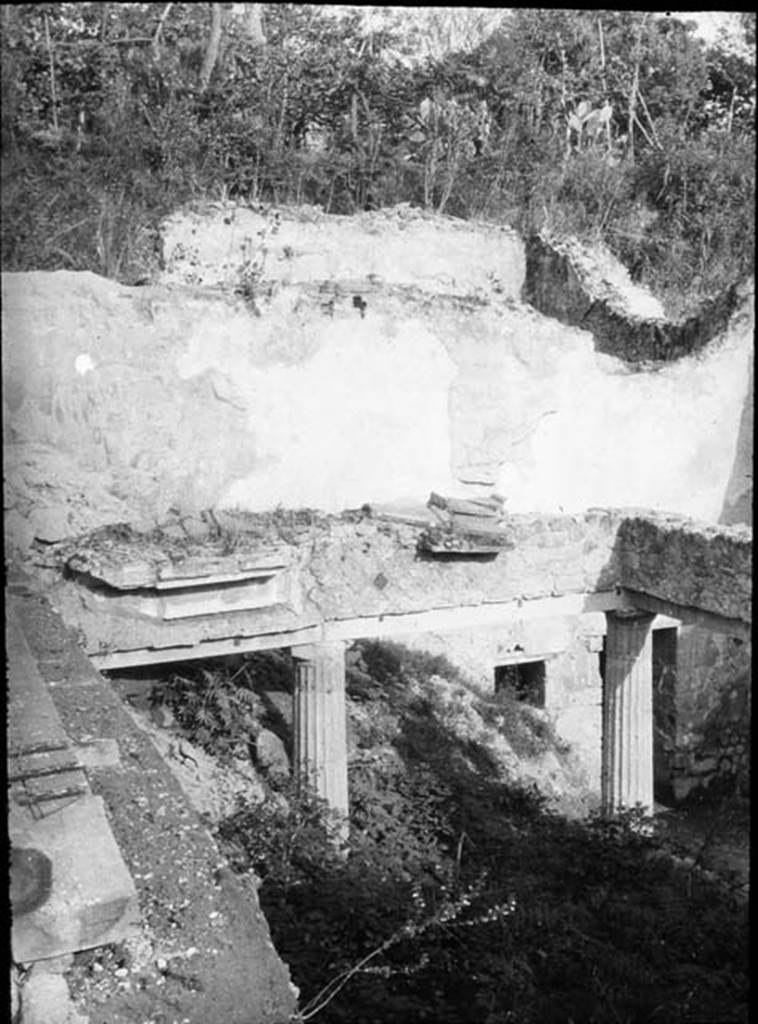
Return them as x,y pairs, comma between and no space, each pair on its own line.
320,725
628,713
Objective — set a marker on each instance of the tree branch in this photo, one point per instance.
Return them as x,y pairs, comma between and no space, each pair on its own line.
211,52
603,81
649,118
53,90
642,129
91,41
159,29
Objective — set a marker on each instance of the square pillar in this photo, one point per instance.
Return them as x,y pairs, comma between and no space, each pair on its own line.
320,726
627,778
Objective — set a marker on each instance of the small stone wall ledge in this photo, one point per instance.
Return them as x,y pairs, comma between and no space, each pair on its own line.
691,564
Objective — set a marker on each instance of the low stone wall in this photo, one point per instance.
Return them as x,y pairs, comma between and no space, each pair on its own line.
712,710
194,910
561,281
687,563
242,246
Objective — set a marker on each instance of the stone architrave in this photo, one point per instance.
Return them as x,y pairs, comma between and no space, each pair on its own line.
627,778
320,727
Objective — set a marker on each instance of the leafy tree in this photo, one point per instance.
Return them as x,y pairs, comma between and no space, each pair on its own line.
602,123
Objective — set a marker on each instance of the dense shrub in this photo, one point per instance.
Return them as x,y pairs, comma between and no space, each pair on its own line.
109,123
459,899
217,705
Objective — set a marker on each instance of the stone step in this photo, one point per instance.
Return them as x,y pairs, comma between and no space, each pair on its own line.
84,896
92,900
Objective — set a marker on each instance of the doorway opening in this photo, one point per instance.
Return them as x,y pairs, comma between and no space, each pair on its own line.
664,713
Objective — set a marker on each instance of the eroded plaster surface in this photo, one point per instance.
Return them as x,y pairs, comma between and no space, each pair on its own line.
341,361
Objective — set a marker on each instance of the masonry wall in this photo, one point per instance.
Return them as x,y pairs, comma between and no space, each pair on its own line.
697,565
361,359
712,708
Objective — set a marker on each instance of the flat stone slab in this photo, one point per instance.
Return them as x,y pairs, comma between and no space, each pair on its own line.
187,602
99,754
138,564
92,898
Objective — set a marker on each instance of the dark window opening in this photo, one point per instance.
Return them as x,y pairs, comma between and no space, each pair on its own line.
524,681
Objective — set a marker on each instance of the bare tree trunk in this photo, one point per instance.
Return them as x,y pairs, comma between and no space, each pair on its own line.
211,51
564,103
605,85
632,117
649,120
104,10
159,29
53,90
634,91
731,110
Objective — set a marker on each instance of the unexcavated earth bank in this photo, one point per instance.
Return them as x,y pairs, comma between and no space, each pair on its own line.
179,459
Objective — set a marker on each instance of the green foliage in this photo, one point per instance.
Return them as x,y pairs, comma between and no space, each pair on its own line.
219,711
107,127
686,185
457,899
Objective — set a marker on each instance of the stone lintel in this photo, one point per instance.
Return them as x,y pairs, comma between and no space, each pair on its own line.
390,624
688,616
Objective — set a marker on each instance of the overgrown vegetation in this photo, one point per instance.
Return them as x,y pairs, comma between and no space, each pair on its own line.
217,709
460,899
613,125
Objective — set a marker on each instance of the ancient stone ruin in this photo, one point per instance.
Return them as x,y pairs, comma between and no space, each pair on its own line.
318,429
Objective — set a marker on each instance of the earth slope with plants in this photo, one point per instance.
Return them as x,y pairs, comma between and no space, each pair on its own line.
469,889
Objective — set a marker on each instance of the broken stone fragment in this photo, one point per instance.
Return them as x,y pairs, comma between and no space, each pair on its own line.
196,528
271,754
46,999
